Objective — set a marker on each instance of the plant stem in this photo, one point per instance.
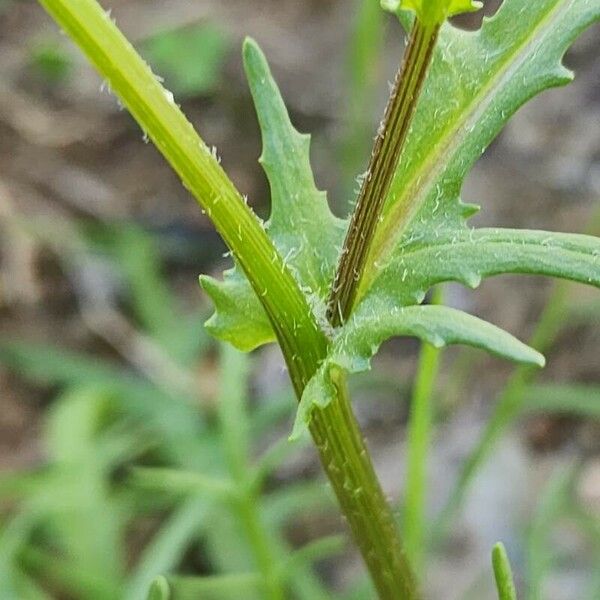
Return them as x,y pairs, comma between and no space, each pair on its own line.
336,433
383,164
419,438
154,109
303,343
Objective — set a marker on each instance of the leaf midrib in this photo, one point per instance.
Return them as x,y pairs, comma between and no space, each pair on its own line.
424,178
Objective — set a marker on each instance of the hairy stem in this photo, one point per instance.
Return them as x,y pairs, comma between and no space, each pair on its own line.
336,432
303,343
383,164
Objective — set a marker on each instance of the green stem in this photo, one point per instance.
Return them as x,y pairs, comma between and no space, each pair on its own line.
372,522
198,167
418,442
304,345
384,162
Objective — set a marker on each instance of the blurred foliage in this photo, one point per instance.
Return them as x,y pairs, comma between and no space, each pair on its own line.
141,480
190,58
49,61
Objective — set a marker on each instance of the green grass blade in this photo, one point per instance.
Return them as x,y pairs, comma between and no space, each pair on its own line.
159,589
571,399
418,440
177,482
552,505
363,74
166,549
234,426
221,587
507,407
503,573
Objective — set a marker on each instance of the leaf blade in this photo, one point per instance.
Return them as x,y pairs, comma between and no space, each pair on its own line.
503,573
491,73
359,340
469,255
301,225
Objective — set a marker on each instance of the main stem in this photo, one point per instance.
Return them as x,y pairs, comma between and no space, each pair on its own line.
304,345
382,166
337,436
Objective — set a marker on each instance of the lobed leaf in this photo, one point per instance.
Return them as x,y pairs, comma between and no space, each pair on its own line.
469,255
423,238
477,80
359,340
303,228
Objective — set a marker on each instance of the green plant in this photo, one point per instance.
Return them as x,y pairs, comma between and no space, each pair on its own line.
407,233
503,574
126,448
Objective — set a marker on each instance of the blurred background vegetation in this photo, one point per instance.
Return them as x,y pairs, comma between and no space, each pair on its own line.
132,445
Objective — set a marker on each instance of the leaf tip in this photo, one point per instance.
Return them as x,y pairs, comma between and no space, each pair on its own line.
159,589
503,573
249,46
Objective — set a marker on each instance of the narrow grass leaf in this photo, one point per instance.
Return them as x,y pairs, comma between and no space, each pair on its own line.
572,399
503,573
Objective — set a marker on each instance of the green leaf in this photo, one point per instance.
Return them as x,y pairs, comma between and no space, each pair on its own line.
159,589
503,573
370,326
552,504
469,255
423,238
191,58
166,549
218,587
303,228
476,82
